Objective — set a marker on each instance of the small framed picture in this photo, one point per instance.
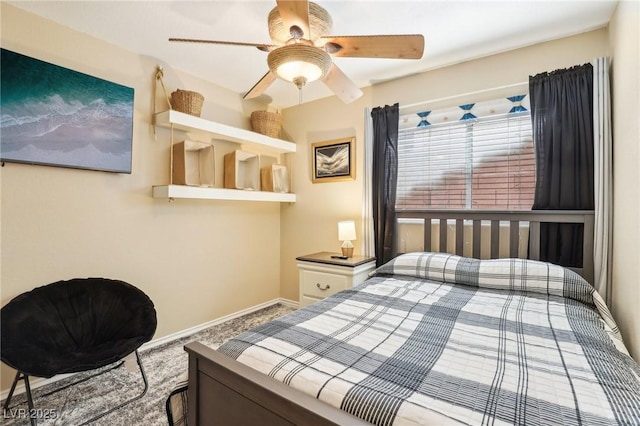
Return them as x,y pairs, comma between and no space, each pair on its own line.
333,160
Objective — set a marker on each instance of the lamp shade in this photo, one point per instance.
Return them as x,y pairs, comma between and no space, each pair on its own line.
346,230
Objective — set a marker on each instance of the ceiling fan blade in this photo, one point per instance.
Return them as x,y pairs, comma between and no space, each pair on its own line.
341,85
295,13
261,46
400,46
261,86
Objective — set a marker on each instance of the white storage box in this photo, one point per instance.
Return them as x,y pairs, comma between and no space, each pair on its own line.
275,178
193,164
242,170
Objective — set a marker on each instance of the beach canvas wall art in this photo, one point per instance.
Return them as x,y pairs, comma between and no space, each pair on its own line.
55,116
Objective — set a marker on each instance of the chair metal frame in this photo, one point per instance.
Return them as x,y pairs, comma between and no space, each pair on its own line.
33,418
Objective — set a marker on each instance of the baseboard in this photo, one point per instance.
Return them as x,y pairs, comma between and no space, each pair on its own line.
39,382
34,383
290,303
192,330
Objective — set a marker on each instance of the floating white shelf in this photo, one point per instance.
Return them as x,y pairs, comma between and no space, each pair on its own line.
186,122
183,191
189,123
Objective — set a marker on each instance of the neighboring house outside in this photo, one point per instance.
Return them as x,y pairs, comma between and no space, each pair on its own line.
495,185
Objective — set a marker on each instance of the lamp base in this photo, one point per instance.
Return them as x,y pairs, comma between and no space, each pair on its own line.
347,251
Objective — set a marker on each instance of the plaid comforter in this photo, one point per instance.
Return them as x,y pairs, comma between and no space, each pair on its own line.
436,338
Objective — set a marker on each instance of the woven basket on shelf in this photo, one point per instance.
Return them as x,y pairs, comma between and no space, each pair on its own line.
267,123
187,102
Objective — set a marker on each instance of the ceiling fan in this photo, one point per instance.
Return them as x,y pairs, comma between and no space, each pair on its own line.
302,49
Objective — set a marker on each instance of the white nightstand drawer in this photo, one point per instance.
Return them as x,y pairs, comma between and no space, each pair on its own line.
324,274
321,284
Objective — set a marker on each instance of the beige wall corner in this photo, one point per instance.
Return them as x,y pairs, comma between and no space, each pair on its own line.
311,224
624,32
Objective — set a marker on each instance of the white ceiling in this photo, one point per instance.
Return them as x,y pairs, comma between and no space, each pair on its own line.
454,31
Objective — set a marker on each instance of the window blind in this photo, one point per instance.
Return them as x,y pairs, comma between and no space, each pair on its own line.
485,163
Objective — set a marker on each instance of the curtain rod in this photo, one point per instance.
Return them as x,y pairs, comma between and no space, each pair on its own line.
477,92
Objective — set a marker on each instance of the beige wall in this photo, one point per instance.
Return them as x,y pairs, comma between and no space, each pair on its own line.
197,260
625,72
311,224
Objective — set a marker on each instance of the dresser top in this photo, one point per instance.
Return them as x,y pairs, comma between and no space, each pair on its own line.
325,257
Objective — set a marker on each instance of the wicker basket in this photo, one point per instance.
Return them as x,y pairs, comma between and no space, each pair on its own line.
267,123
187,102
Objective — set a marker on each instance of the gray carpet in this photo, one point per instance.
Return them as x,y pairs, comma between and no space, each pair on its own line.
164,365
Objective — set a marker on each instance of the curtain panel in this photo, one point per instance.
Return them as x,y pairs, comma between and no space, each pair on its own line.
562,121
603,183
368,243
384,179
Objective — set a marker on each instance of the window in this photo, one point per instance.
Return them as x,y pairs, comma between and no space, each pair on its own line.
476,163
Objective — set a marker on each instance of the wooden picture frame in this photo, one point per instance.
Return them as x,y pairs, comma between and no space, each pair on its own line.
333,161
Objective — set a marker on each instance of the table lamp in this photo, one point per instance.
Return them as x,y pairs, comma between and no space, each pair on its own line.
347,233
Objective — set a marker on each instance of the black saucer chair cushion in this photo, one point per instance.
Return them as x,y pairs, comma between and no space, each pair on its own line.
75,325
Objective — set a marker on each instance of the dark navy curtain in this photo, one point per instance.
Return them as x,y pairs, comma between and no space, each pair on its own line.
385,176
562,117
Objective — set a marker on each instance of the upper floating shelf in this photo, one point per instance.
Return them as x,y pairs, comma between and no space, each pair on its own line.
186,122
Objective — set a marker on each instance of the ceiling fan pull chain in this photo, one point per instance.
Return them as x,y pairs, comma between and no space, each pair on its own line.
299,82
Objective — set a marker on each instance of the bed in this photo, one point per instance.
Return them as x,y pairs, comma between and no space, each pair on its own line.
430,338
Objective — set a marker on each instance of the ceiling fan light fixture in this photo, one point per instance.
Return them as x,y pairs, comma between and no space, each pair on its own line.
299,62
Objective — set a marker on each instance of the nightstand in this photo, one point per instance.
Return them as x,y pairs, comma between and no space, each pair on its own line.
321,275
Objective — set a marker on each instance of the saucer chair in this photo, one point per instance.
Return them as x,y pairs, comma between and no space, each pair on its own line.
72,326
